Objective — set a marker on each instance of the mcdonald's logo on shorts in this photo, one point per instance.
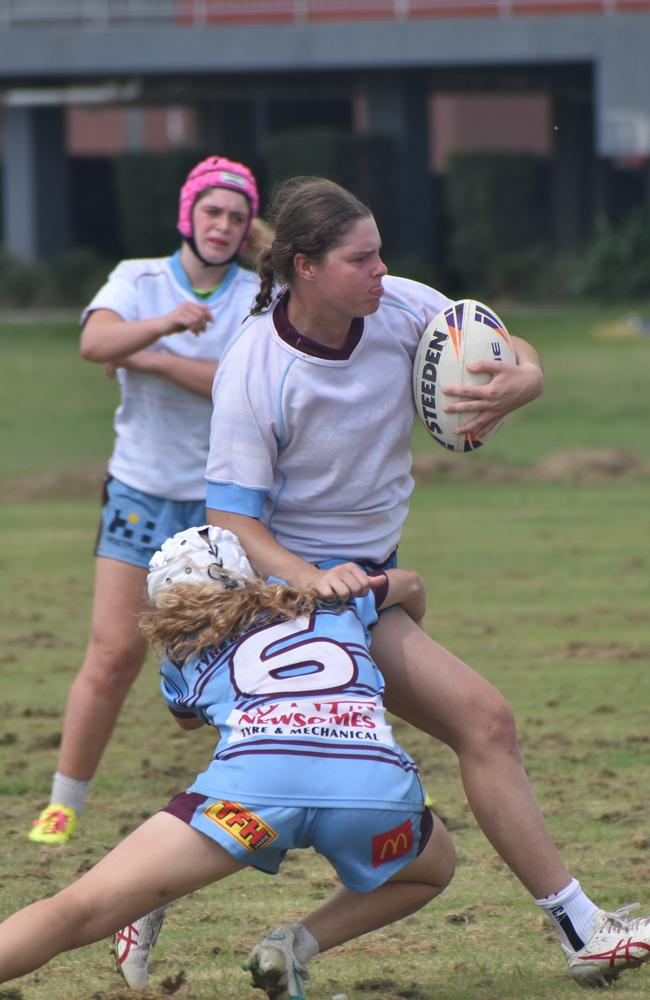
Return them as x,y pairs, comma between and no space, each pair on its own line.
393,844
243,825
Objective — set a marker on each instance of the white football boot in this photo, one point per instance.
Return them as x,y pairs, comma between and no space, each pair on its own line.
616,944
274,967
132,945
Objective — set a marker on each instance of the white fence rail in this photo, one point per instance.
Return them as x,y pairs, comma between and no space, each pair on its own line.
105,13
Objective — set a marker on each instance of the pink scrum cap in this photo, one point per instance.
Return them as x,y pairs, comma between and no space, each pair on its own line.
216,171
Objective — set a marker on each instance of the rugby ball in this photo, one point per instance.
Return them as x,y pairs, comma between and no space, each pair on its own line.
464,332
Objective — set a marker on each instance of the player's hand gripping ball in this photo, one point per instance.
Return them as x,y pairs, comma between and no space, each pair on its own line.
464,332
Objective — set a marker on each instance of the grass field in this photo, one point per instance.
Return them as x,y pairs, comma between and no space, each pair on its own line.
537,575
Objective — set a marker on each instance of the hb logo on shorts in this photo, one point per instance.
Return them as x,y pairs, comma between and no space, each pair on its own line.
128,524
393,844
244,826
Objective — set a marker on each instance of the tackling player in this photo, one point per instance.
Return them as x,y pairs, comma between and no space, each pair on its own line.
305,758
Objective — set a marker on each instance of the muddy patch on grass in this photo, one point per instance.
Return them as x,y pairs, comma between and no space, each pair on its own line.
605,651
576,465
78,484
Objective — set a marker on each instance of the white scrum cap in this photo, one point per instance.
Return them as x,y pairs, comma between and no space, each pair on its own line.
199,555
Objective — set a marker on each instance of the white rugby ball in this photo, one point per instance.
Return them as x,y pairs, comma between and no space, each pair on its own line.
464,332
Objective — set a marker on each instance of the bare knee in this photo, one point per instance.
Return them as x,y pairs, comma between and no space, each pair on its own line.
495,727
69,914
488,727
111,664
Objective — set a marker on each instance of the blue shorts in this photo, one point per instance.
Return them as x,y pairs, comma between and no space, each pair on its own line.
368,567
366,847
134,525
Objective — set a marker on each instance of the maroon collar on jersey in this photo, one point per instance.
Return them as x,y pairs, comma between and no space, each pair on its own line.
287,332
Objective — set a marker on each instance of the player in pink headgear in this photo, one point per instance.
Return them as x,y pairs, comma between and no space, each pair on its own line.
160,325
215,172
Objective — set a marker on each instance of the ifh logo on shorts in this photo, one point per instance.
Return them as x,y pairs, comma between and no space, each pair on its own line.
243,825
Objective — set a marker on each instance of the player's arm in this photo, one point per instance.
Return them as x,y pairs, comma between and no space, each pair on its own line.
405,587
107,336
269,558
511,386
190,373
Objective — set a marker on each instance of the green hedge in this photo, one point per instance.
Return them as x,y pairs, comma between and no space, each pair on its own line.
70,279
146,188
365,164
616,264
496,209
494,229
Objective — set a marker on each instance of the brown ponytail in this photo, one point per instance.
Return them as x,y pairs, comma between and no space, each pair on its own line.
266,273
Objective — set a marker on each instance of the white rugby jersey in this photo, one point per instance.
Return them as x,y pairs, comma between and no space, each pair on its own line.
298,705
316,442
162,429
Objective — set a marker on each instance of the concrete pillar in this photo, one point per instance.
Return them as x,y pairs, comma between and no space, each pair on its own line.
574,191
396,105
36,204
135,138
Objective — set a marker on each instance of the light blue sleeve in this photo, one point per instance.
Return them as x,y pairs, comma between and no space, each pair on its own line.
235,499
175,689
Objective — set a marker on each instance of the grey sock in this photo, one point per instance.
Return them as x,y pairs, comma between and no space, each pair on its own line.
69,792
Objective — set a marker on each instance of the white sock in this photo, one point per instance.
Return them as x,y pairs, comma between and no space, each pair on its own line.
305,944
572,913
69,792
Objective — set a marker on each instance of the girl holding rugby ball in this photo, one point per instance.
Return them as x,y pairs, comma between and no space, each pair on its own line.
309,466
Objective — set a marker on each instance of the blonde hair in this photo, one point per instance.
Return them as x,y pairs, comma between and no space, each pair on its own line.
258,240
185,619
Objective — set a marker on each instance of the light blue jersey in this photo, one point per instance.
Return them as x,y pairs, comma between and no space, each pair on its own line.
300,713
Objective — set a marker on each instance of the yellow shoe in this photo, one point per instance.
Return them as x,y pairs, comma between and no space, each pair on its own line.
55,825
